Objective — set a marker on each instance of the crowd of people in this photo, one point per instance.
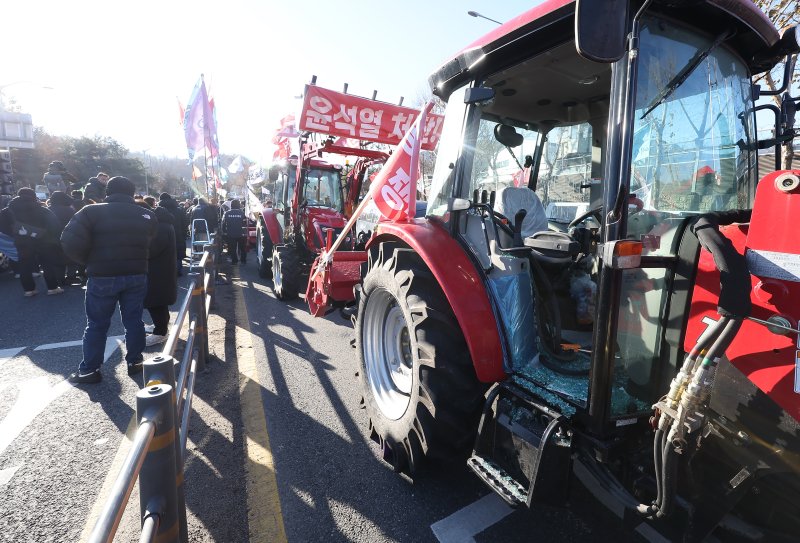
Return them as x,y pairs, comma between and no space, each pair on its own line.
122,248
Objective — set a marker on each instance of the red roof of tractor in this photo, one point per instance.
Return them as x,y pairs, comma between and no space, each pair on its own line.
751,21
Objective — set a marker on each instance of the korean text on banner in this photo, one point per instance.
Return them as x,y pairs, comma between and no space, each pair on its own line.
349,116
395,187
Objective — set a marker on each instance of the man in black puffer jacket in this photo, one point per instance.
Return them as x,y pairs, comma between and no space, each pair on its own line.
180,223
112,239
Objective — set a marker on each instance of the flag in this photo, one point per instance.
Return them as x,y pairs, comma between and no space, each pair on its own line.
286,130
199,125
394,189
283,150
196,173
181,110
281,138
236,166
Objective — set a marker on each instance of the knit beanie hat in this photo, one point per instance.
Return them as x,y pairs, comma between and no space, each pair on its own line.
120,185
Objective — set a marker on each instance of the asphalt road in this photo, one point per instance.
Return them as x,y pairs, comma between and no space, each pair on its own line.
58,442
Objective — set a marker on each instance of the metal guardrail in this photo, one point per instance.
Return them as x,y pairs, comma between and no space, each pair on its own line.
159,445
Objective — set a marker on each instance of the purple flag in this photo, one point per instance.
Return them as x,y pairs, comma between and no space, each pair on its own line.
199,124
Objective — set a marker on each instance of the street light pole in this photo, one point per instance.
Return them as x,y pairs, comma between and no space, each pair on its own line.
476,14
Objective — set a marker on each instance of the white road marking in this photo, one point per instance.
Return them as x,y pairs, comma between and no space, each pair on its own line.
59,345
461,526
34,396
7,474
112,344
8,354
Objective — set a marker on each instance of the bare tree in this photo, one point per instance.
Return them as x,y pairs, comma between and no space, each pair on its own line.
782,13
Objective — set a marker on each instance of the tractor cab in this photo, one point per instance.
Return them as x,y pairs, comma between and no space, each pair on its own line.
591,192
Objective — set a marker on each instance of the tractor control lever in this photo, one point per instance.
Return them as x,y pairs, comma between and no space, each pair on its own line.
518,218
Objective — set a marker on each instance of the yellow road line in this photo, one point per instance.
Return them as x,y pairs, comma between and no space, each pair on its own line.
264,516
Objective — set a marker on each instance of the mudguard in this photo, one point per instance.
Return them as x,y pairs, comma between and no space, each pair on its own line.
273,225
461,285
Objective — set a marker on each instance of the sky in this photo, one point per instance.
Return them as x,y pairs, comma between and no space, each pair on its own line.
118,70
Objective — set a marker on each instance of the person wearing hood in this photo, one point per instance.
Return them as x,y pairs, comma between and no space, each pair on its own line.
112,240
180,221
61,206
162,282
35,231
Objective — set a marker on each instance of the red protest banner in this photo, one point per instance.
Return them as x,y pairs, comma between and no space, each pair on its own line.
331,112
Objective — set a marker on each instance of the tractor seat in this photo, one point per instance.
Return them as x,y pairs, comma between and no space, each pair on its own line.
547,246
511,199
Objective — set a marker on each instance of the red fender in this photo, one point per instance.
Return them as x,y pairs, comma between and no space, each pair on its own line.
462,286
272,225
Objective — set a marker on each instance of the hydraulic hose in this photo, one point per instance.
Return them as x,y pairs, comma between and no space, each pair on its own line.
734,296
690,388
670,480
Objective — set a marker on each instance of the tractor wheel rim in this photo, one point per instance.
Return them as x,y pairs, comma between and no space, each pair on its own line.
276,272
387,354
259,248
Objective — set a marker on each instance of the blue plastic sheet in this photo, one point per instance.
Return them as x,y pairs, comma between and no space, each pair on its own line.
7,247
514,295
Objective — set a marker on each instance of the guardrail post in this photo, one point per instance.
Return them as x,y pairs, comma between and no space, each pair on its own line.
198,314
157,491
158,370
211,271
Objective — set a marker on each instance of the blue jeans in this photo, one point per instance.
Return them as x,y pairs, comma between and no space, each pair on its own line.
102,295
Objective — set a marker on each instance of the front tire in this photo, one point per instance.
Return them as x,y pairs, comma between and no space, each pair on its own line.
420,390
285,272
263,254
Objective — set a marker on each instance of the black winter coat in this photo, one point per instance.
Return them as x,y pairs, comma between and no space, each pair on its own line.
162,281
233,223
95,190
30,211
207,212
112,238
61,206
180,220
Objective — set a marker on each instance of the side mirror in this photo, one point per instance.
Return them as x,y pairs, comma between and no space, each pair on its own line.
601,27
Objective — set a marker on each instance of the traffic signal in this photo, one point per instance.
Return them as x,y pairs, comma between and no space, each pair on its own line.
6,174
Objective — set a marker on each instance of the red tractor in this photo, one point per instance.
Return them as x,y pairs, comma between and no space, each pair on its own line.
628,313
311,203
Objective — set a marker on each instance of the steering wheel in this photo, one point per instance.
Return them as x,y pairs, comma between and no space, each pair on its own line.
594,212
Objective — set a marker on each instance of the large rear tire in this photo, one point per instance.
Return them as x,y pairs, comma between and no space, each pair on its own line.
420,390
285,272
263,254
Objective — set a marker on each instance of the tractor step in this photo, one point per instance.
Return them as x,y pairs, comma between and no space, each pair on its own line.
498,480
524,448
